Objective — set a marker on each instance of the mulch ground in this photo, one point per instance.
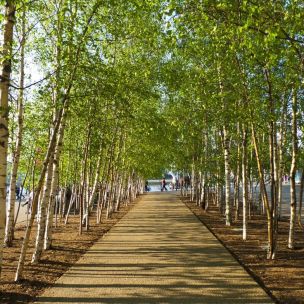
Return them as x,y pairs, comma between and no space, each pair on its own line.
68,246
282,278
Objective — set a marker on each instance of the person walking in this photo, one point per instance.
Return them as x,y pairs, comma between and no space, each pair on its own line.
147,187
17,190
173,182
163,185
28,202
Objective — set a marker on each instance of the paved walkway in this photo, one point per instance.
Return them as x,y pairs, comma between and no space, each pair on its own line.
158,253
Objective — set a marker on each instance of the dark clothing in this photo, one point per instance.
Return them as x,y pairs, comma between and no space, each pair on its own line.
17,190
187,181
163,185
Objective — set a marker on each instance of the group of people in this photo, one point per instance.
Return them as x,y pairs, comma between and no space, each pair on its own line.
182,182
19,193
175,184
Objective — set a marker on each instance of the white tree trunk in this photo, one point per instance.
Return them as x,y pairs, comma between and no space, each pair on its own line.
42,213
9,230
281,161
119,193
71,203
192,181
54,186
5,75
227,176
244,182
96,180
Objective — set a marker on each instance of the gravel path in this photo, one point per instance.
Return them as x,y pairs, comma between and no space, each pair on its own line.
158,253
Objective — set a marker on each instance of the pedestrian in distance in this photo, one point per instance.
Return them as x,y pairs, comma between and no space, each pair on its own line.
28,202
18,192
147,187
163,185
187,182
173,183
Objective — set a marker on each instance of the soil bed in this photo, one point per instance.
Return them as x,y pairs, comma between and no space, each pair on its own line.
68,246
282,278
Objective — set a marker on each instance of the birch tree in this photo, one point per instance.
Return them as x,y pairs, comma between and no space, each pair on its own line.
9,230
5,76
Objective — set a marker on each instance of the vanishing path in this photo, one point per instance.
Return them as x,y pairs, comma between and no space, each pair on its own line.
158,253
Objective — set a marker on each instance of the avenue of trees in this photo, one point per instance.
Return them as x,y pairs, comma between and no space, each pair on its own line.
96,96
235,100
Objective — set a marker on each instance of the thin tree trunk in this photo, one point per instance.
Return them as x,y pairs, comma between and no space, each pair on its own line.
72,201
42,213
301,200
9,232
192,181
270,250
293,200
272,160
272,186
119,192
280,155
276,166
245,182
96,179
227,176
202,200
87,202
84,181
237,184
5,75
54,186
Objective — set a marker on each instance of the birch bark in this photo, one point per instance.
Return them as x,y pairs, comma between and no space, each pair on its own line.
9,229
227,176
270,250
5,76
42,214
244,182
54,185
